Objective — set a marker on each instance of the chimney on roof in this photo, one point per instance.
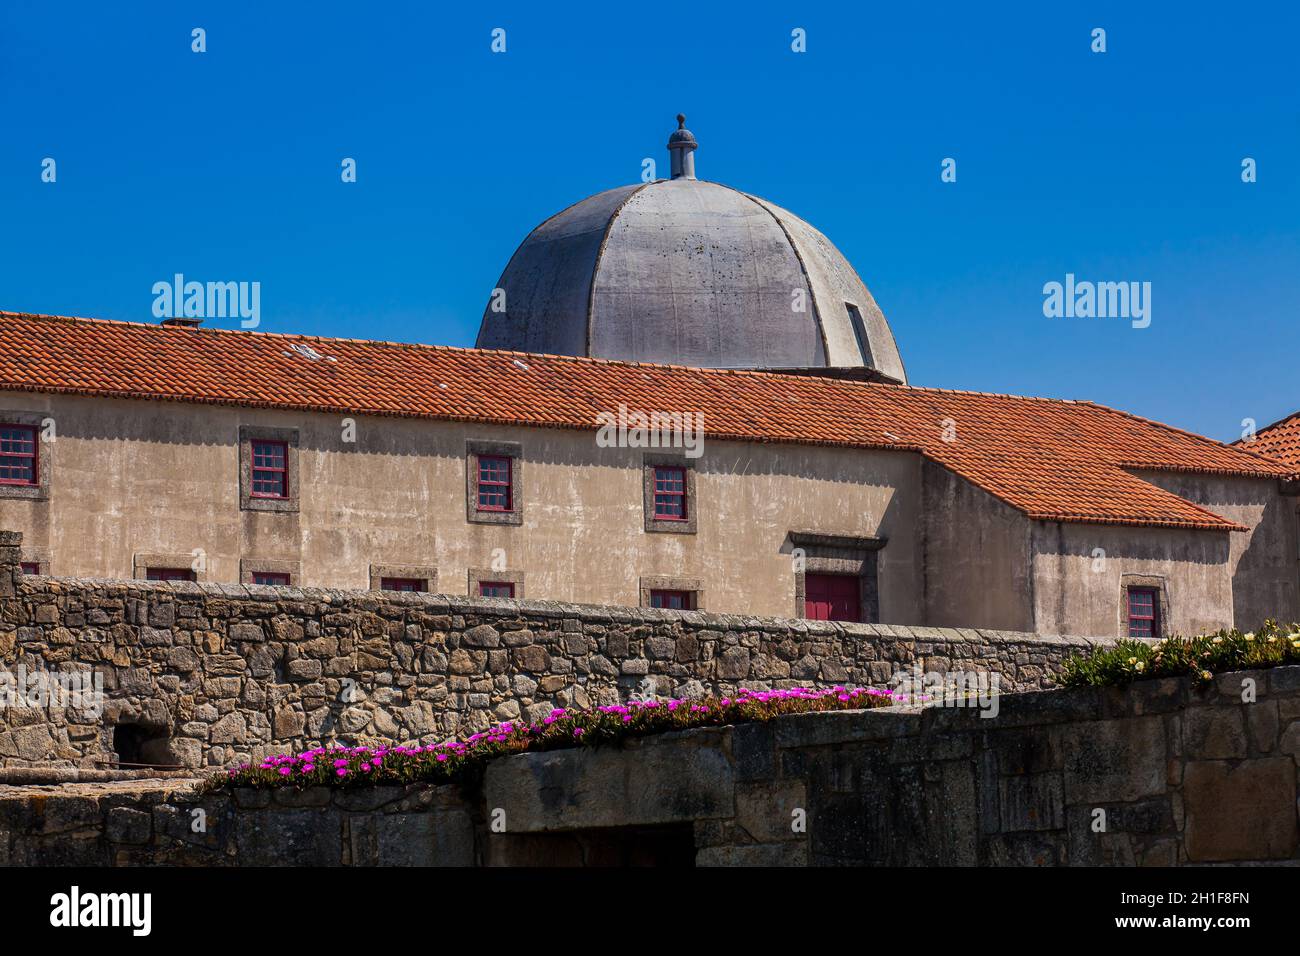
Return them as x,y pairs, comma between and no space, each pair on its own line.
183,322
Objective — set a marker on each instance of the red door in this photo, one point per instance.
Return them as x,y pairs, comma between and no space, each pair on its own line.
832,597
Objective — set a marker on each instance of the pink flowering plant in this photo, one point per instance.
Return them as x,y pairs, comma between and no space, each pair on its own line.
454,759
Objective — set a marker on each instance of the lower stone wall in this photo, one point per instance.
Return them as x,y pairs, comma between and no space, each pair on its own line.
1157,774
204,675
169,823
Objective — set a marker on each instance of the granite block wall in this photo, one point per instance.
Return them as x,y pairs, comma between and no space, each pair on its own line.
207,675
1161,773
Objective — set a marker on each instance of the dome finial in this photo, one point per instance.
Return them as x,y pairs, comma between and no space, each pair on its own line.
681,150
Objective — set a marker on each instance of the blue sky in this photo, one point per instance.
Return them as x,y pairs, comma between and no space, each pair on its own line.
1122,166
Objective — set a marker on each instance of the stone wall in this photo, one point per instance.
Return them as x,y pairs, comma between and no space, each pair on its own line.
1157,774
205,675
169,823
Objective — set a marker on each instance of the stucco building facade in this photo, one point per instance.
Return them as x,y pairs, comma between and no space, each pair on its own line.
143,486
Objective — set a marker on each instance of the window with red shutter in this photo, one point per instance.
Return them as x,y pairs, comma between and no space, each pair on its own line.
19,455
670,493
673,600
402,584
1143,612
270,469
169,574
495,491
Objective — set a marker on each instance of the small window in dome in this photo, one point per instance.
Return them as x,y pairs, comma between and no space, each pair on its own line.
860,333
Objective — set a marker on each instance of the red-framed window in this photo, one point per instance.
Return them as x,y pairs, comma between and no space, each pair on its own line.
673,600
280,578
670,493
498,589
270,469
495,483
31,567
402,584
169,574
1143,612
19,455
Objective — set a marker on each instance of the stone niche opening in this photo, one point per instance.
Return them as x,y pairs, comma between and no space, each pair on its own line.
138,745
670,845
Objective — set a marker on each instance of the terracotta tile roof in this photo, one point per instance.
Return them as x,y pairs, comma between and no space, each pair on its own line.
1053,460
1279,442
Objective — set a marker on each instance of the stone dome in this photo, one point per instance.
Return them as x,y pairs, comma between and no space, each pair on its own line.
688,272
